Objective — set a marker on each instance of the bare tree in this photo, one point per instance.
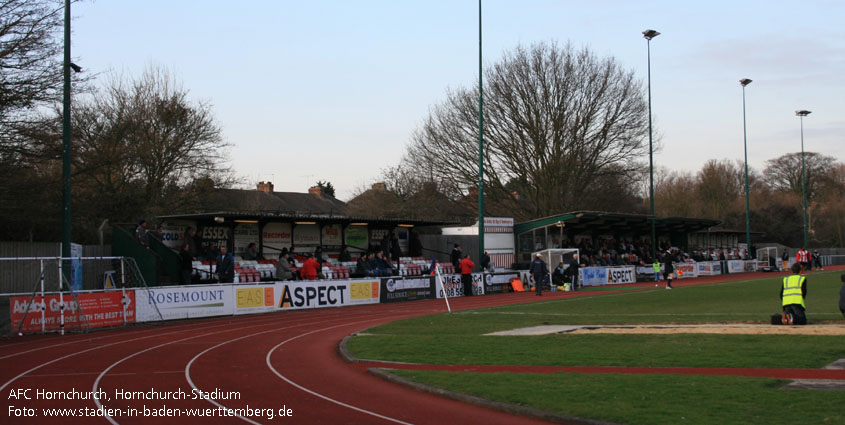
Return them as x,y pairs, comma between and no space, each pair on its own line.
784,172
719,188
141,147
29,55
555,120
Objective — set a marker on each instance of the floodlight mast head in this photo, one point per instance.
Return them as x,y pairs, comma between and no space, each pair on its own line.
649,34
745,82
802,113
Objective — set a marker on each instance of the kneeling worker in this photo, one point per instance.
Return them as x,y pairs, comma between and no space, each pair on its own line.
792,294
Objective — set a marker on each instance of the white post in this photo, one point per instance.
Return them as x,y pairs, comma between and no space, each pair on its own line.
437,275
43,305
61,300
123,289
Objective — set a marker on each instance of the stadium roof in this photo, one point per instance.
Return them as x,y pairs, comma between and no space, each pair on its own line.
267,216
599,222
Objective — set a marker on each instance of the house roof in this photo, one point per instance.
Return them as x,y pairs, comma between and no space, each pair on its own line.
238,204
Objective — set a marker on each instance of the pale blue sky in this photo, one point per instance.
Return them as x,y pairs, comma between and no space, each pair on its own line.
333,90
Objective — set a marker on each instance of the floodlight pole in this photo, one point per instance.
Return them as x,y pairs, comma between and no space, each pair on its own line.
66,223
648,35
801,114
745,82
480,147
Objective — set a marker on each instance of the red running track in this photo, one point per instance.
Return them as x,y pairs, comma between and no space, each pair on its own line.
275,361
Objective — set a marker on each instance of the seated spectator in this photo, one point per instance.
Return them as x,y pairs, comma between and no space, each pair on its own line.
251,253
362,266
558,278
283,270
379,264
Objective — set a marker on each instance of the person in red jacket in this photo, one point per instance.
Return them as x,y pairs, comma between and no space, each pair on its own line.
309,268
466,275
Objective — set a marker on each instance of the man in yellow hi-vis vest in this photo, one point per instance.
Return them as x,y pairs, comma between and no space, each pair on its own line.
792,294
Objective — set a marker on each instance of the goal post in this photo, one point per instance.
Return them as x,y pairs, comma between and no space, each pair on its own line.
553,257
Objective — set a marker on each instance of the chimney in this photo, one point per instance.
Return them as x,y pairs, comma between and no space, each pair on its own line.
316,190
381,187
265,187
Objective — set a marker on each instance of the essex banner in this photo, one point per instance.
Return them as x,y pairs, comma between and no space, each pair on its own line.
406,288
184,302
98,310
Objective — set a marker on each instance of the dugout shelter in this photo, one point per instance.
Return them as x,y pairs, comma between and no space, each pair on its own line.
555,231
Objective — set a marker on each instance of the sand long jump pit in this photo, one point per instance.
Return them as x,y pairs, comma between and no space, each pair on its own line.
713,328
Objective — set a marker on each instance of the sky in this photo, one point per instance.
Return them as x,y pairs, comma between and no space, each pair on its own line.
333,90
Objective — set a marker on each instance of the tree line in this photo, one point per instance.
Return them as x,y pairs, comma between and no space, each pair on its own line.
564,130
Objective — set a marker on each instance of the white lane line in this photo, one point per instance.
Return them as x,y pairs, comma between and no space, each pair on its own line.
330,318
314,393
96,385
153,328
187,370
85,351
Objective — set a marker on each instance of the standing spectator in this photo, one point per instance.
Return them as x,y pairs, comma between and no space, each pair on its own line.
212,253
792,295
141,234
723,262
395,249
668,270
188,239
415,247
539,270
318,255
486,264
455,256
842,295
817,260
466,275
785,259
225,266
385,245
656,267
186,262
573,271
283,270
309,268
251,253
344,256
